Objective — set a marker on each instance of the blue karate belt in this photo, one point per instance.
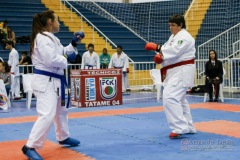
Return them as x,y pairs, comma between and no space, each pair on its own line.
63,84
117,67
89,66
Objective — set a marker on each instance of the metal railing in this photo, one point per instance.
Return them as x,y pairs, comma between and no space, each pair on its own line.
83,17
108,15
139,75
93,26
236,48
222,44
200,78
235,72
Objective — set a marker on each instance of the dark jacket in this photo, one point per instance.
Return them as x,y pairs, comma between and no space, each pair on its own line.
214,71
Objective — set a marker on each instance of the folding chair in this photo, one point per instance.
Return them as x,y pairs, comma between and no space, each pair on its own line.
220,89
27,78
157,82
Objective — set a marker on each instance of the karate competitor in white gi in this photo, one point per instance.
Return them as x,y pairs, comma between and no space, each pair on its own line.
13,62
50,59
120,60
90,59
178,72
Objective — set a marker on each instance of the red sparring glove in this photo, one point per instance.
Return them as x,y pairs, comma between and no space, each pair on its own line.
153,47
158,58
127,70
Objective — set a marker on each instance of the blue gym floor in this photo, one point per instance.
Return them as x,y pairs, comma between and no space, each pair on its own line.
138,132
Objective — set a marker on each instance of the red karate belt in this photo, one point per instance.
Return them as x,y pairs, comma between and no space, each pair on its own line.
164,69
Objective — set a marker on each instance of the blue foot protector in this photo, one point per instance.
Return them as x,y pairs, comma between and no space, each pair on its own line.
31,153
70,141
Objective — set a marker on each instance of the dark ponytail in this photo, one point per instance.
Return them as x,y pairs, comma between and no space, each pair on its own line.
39,25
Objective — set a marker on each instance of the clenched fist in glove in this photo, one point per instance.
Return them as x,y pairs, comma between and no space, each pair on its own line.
153,47
70,55
77,37
158,58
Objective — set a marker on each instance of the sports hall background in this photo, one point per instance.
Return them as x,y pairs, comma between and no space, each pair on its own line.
136,130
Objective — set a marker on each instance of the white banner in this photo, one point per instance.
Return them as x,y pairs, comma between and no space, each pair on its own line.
3,96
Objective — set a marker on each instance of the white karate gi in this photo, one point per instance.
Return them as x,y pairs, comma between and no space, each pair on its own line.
13,61
48,56
178,48
120,62
90,60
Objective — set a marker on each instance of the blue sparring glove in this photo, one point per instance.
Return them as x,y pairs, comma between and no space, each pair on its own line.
70,55
78,36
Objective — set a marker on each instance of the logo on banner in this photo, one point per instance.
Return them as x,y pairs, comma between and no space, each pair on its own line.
77,84
108,88
3,100
72,89
90,86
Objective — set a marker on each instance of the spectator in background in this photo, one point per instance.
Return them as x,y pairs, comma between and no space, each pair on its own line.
26,60
5,75
13,62
214,75
4,27
126,80
11,35
120,60
2,39
90,59
104,59
3,33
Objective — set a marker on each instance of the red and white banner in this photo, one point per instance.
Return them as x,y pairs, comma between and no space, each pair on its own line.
96,87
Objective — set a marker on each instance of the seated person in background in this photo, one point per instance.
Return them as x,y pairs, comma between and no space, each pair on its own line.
5,75
90,59
26,60
3,33
11,35
3,26
104,59
214,75
3,39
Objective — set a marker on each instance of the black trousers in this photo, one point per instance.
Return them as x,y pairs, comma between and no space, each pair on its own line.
210,84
